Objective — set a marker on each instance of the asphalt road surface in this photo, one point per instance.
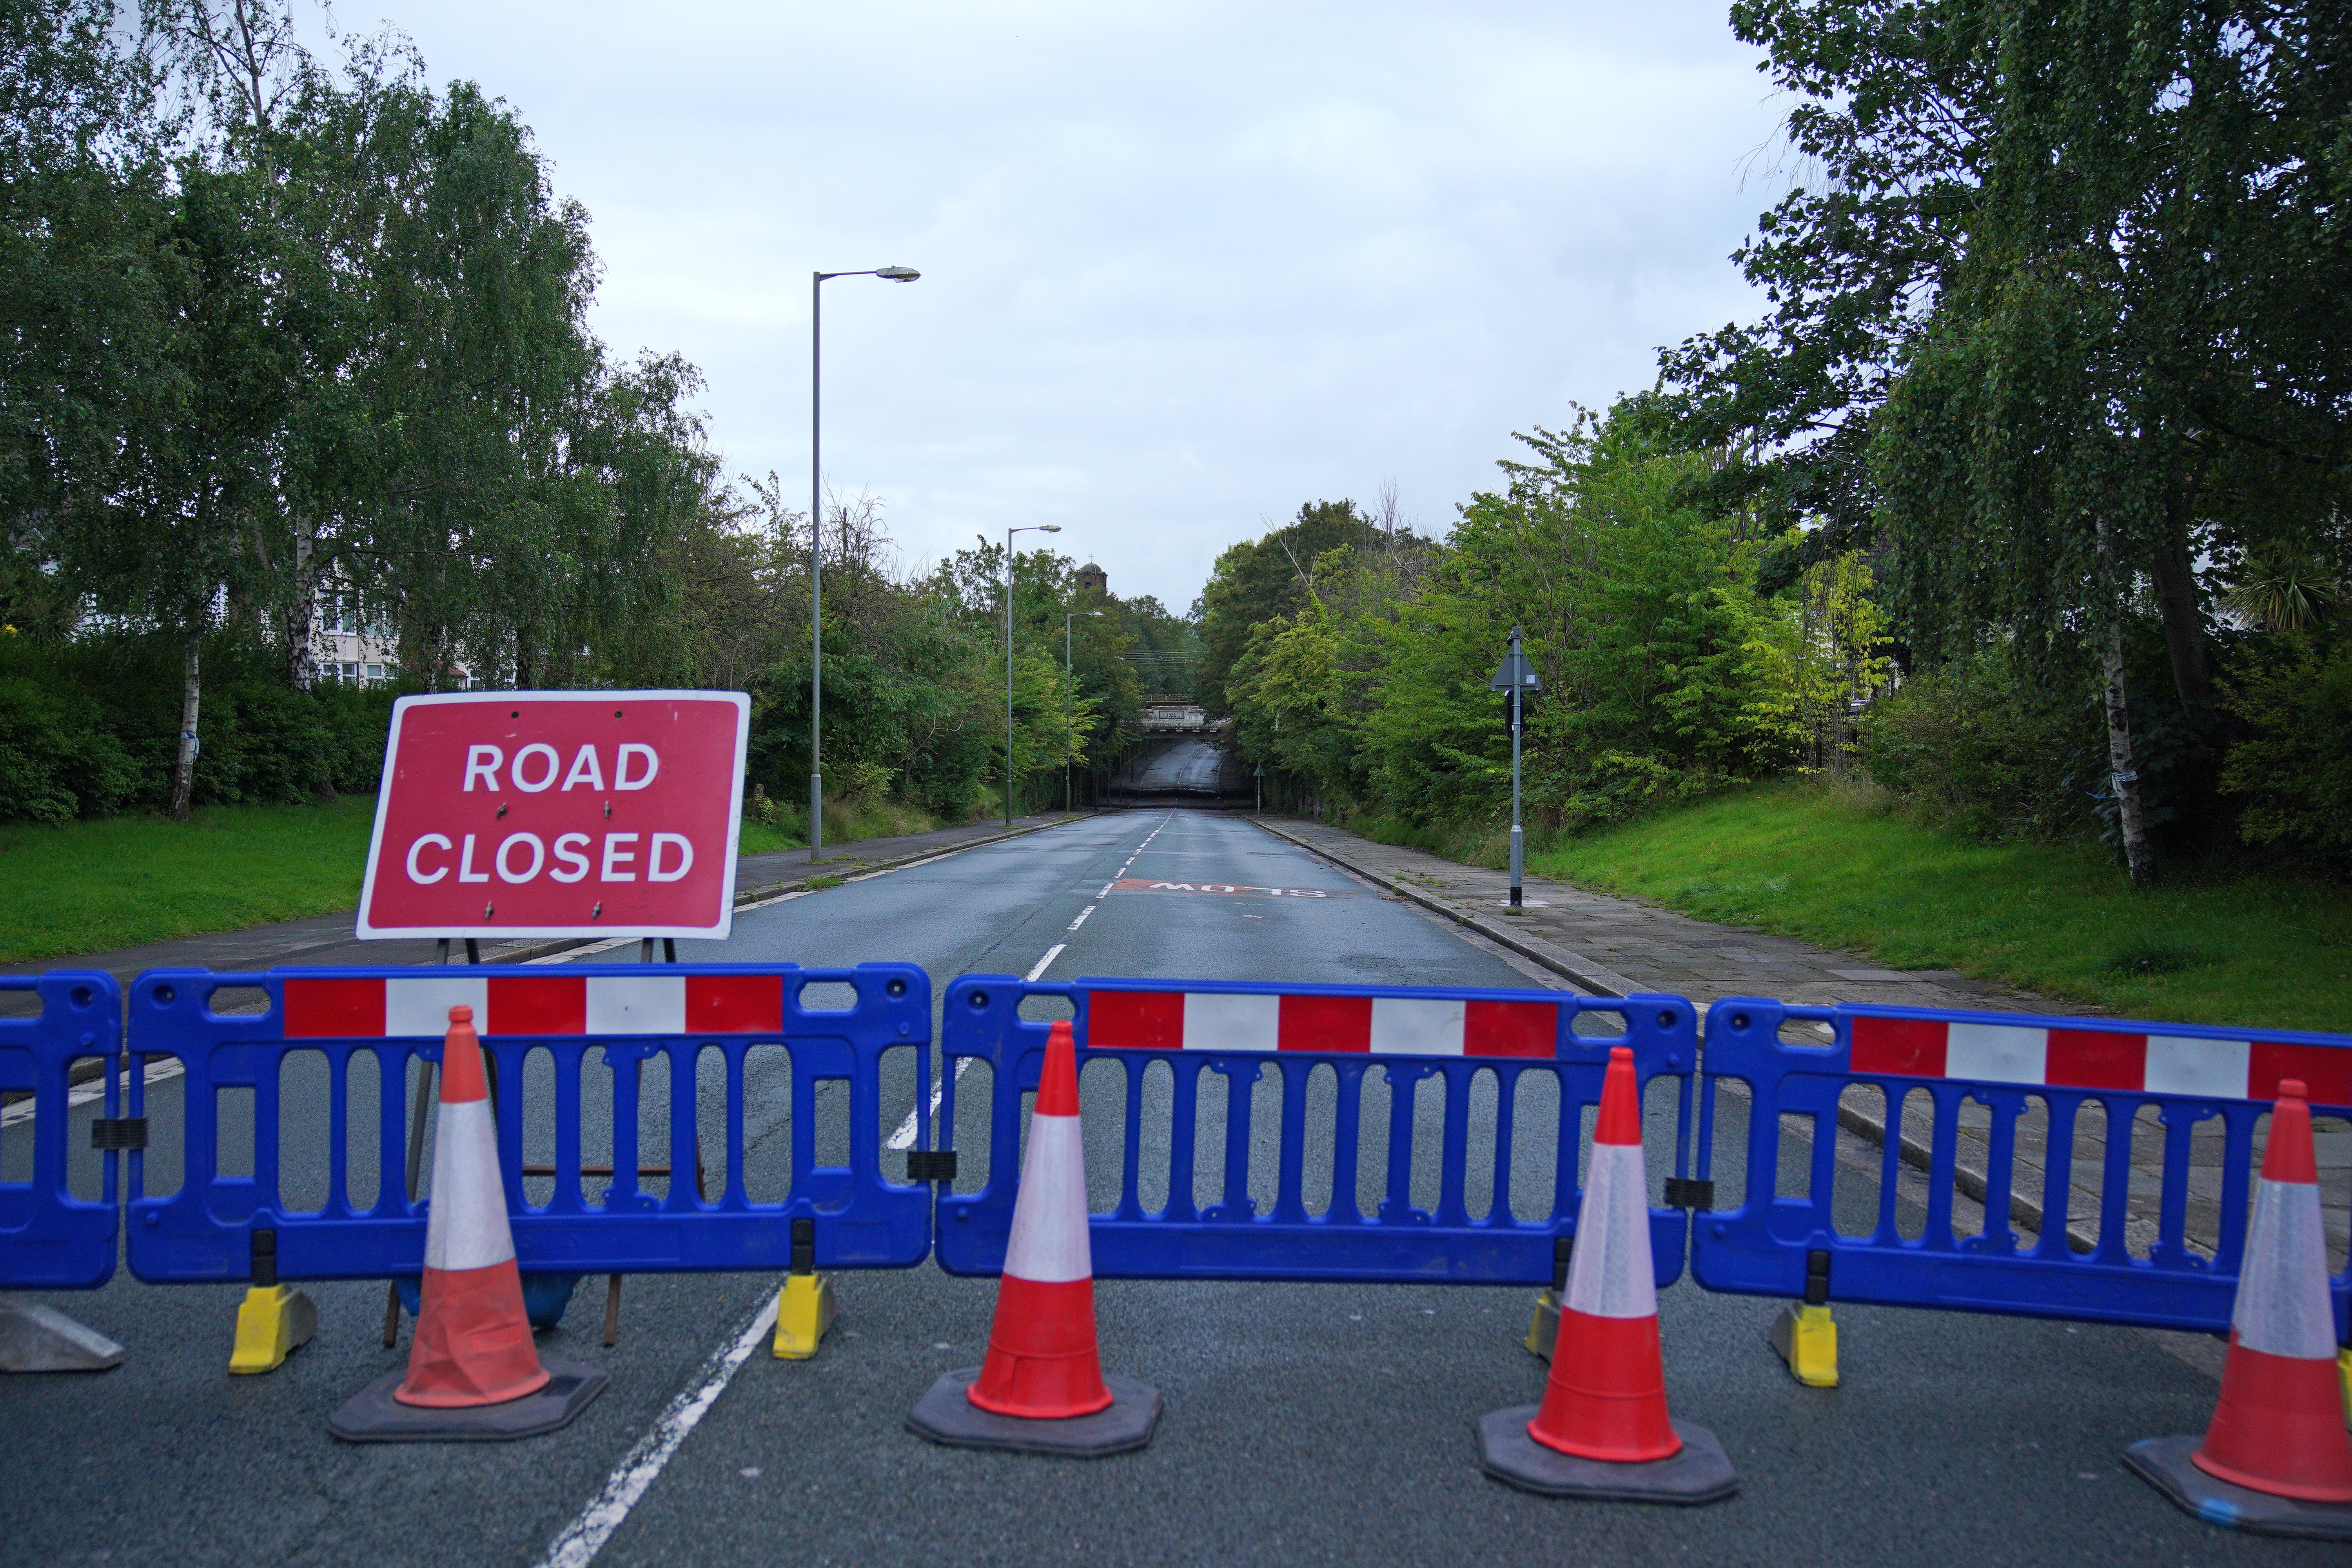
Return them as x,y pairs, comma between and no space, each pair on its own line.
1303,1423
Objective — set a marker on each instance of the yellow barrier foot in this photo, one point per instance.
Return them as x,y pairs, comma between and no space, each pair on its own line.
2344,1374
1807,1341
272,1322
803,1311
1544,1327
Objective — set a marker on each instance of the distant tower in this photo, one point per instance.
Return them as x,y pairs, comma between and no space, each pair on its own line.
1092,577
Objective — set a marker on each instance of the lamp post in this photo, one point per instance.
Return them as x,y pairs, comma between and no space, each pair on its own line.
1030,528
1067,682
816,547
1517,676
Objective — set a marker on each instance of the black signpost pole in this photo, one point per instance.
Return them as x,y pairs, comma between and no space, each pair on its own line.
1517,676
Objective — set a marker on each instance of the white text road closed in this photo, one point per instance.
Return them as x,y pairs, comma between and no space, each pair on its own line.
558,814
1145,885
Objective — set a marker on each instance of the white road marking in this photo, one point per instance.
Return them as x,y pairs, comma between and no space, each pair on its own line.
904,1137
585,1535
158,1070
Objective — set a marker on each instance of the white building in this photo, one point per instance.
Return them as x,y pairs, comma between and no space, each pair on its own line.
350,646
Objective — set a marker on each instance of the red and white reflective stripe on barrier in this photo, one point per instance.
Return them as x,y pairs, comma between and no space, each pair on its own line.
2097,1058
1383,1025
365,1007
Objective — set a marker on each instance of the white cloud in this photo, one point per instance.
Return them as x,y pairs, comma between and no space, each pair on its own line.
1185,267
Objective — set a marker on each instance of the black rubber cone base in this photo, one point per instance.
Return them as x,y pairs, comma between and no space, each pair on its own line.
945,1416
1700,1473
374,1416
2164,1464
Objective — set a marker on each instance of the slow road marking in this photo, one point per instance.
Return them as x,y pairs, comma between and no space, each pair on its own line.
1146,885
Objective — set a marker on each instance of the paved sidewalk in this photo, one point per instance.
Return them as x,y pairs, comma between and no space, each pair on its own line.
1614,946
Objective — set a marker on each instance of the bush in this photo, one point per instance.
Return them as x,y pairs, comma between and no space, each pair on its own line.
56,762
2294,774
1969,743
90,728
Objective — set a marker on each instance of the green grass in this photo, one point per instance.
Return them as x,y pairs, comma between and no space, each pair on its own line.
1842,868
92,886
124,882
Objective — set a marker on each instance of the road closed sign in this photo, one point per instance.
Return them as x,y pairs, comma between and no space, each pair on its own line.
558,814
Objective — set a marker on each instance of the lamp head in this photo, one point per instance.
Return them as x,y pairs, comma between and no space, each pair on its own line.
898,274
1049,528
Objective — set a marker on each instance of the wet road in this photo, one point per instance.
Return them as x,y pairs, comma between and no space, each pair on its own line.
1304,1422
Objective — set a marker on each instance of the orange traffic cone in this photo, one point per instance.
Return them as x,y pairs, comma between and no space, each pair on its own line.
1042,1387
2277,1459
1602,1430
473,1372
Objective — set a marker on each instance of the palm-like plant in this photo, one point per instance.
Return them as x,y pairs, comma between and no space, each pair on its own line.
2281,591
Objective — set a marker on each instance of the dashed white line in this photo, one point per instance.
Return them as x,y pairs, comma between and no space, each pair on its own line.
904,1137
585,1535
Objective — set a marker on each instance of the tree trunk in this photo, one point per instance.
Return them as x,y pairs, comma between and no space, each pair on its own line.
300,617
183,771
2125,776
301,607
2184,630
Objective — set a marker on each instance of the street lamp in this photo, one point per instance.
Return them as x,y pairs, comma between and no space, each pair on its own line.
816,547
1518,677
1030,528
1067,682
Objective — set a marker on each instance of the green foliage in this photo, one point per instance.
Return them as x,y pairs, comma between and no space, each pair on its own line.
1984,753
1257,580
2294,774
1665,672
86,729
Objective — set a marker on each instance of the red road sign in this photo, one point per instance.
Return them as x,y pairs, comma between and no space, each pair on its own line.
558,814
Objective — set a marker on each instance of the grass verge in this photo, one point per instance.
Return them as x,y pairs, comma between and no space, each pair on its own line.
124,882
1841,866
120,881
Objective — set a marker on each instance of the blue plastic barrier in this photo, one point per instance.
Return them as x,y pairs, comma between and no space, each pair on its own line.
2190,1073
1241,1031
632,1015
49,1239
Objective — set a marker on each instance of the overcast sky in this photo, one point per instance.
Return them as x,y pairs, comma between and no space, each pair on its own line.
1185,267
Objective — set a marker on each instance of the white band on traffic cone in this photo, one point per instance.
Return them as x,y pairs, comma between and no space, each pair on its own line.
1611,1274
2283,1307
467,1226
1048,1243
